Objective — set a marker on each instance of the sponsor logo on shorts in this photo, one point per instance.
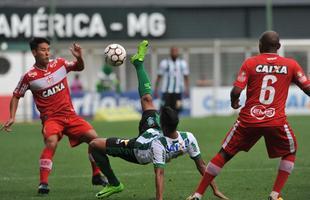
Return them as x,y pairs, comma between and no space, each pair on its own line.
260,112
125,142
119,141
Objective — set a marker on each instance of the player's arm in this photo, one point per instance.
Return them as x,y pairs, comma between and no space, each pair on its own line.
19,92
76,51
186,78
234,97
239,84
159,160
159,182
13,108
158,79
300,78
161,71
186,83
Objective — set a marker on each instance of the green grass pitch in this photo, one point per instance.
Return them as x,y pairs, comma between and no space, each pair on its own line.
247,176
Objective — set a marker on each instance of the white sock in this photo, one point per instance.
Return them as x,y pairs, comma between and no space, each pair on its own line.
197,195
274,195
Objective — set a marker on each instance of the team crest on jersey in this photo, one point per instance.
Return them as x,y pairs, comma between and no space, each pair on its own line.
242,76
51,91
50,80
260,112
53,64
150,121
274,69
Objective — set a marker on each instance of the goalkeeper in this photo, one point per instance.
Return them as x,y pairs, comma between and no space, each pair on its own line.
158,141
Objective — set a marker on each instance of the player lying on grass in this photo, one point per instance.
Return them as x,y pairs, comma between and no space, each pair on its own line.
158,141
47,80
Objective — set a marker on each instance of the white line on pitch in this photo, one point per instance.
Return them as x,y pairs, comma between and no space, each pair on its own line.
6,178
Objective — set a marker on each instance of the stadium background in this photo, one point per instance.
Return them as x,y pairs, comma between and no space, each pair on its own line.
214,37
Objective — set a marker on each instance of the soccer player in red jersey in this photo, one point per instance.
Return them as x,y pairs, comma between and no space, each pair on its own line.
47,80
267,77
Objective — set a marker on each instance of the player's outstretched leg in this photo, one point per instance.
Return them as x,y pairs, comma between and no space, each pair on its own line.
114,185
109,190
142,50
137,59
97,178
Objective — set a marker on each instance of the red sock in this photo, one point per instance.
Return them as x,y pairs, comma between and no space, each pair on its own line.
280,181
213,169
285,169
95,168
46,164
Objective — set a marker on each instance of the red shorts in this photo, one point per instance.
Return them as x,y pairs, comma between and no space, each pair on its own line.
72,126
279,140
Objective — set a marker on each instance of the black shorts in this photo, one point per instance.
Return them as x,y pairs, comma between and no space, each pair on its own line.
173,100
122,148
150,119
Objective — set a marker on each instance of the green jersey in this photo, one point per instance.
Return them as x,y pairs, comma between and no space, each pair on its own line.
153,147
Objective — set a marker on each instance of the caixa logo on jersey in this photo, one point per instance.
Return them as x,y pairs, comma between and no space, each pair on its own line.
260,112
53,90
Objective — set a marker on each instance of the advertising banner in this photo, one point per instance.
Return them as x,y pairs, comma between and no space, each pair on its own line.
216,101
87,103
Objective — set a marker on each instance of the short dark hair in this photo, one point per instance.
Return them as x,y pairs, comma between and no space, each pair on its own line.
169,119
34,42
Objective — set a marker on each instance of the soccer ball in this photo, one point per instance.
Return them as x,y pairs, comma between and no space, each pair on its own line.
115,54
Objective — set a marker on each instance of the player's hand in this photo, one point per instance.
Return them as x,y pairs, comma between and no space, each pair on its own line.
7,126
76,50
235,104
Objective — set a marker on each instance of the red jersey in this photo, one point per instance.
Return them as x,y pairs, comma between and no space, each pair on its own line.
268,77
49,88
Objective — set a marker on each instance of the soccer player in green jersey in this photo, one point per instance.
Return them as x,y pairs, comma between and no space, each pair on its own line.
158,141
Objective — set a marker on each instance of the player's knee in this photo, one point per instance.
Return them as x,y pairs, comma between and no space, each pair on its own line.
225,155
98,143
93,144
51,142
89,136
